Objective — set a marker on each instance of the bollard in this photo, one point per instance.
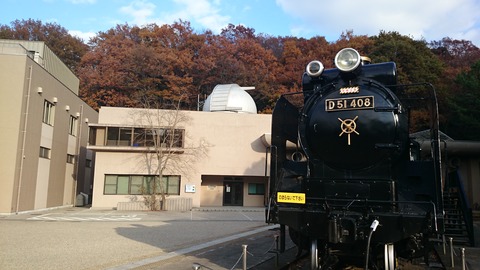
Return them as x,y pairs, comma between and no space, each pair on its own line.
196,266
244,257
463,258
450,239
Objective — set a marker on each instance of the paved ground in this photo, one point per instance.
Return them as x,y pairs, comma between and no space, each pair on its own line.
80,238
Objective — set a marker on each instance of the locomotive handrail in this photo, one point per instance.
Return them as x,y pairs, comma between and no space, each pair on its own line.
269,201
434,137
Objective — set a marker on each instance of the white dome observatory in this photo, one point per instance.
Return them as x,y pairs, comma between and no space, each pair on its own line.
230,98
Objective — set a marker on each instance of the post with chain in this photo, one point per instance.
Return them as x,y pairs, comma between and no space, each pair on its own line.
451,251
244,257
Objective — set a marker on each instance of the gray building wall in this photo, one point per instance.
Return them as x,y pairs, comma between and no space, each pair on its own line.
29,182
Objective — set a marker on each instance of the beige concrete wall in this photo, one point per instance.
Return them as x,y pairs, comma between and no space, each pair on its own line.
29,182
211,192
254,200
234,149
12,90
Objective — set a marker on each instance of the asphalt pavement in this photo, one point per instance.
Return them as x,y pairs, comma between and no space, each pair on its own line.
82,238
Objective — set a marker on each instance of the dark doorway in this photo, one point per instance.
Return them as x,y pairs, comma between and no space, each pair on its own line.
232,193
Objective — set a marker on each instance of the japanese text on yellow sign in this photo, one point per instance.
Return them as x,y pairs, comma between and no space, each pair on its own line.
288,197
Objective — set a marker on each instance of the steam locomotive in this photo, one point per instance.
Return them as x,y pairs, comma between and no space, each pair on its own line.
346,178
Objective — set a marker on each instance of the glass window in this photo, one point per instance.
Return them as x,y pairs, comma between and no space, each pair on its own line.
256,189
136,185
44,152
48,112
112,135
110,184
123,184
139,137
72,126
70,158
172,138
125,137
148,182
173,185
140,184
150,137
92,136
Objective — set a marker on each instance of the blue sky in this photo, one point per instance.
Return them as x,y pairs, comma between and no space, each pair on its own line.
428,19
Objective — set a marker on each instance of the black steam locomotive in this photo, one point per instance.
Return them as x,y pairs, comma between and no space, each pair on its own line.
346,179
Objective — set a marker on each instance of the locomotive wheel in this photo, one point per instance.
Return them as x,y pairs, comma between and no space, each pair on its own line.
389,257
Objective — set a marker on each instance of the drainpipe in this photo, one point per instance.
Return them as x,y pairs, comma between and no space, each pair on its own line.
24,139
77,160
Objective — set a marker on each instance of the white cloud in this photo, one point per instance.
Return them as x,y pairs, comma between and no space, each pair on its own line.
429,19
85,36
203,12
140,10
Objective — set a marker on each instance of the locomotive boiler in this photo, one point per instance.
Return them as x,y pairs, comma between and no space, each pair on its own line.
346,179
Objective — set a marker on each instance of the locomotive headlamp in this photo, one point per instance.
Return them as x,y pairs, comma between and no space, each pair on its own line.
315,68
347,60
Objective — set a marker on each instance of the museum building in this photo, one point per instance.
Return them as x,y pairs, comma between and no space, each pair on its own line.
217,157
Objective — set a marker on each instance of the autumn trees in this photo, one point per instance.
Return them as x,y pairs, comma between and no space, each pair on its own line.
128,65
67,47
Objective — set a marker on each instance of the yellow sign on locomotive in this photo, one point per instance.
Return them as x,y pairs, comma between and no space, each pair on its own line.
290,197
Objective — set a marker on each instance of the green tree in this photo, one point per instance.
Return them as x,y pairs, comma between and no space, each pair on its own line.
415,61
457,56
464,123
415,64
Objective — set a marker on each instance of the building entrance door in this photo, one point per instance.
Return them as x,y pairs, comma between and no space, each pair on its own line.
232,193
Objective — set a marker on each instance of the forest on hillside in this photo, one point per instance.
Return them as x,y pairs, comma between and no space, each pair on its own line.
129,65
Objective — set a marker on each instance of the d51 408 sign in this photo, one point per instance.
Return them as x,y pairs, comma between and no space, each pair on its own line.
345,104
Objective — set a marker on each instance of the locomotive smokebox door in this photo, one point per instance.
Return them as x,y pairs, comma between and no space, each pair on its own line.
352,127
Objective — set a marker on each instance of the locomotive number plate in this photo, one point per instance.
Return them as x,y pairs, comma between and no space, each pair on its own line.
289,197
346,104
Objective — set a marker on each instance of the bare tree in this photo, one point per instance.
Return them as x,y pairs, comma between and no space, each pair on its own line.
163,132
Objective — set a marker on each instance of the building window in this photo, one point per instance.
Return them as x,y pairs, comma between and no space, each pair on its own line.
44,152
88,163
72,125
125,137
70,158
112,135
145,137
141,184
48,112
256,189
119,136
